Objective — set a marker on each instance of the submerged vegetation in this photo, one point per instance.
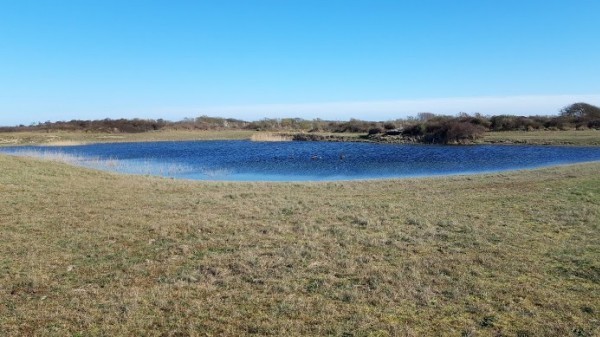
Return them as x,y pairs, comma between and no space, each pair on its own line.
84,252
426,128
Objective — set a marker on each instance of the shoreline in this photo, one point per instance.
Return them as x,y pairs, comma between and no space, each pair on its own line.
67,138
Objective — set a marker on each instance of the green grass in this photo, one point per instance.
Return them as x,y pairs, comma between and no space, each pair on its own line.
88,253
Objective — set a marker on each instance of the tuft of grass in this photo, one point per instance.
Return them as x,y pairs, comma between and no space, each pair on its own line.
269,137
85,252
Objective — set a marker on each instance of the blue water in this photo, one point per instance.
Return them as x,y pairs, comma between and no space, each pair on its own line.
308,161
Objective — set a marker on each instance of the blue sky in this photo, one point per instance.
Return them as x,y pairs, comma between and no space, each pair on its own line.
376,60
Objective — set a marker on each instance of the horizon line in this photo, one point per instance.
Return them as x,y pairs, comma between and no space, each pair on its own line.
368,110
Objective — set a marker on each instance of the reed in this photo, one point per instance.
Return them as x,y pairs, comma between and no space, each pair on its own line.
270,137
112,164
64,143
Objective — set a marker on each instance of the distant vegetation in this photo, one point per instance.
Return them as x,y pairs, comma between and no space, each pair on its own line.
425,128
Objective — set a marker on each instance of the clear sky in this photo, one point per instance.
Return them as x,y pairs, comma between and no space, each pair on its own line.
250,59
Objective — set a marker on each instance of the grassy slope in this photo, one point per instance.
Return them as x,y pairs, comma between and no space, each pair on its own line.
93,253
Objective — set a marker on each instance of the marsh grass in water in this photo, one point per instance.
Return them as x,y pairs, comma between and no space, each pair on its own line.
84,252
144,167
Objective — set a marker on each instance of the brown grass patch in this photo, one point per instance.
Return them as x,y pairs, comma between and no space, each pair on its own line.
587,137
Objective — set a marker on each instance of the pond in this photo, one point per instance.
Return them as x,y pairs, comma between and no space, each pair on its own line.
306,161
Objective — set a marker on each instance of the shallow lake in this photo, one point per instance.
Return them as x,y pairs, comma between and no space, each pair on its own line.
306,161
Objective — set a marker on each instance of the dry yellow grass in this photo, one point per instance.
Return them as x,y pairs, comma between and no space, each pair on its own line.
569,137
269,137
87,253
77,138
64,143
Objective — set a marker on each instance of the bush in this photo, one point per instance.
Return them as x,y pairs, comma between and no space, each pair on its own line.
375,131
461,131
581,110
446,131
594,124
414,130
354,126
389,126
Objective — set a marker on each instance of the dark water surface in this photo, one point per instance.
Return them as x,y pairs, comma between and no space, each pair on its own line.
305,161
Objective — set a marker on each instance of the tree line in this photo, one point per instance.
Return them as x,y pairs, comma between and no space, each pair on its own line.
425,127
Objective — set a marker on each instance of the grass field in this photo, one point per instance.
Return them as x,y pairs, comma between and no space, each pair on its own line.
545,137
75,138
89,253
